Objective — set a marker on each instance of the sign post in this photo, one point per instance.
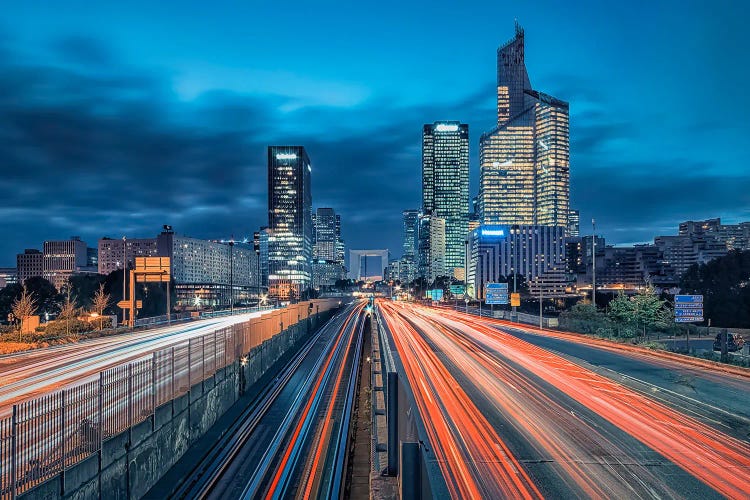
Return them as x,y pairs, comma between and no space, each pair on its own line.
688,309
495,293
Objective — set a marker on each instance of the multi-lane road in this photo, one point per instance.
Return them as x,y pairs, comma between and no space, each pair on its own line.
512,411
31,373
292,441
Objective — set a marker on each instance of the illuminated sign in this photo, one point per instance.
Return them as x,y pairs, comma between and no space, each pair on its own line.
445,127
493,232
286,156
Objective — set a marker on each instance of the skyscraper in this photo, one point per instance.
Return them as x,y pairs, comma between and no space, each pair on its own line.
289,221
524,162
445,185
328,249
327,235
408,262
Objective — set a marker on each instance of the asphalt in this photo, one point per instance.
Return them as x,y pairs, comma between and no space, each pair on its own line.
723,401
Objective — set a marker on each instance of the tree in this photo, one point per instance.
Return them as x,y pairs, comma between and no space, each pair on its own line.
99,302
23,307
725,286
45,293
7,296
84,287
69,311
642,311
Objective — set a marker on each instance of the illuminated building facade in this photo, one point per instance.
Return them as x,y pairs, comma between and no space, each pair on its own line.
289,221
524,161
431,244
114,252
494,253
445,185
328,249
408,265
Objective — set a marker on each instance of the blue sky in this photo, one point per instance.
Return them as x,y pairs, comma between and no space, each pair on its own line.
117,118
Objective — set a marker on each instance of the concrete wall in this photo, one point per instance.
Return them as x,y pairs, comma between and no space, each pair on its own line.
130,463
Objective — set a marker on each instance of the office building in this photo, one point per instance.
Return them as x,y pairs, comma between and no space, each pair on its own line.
524,161
445,186
62,259
574,223
408,261
289,221
29,264
431,247
209,273
495,253
328,247
113,254
8,276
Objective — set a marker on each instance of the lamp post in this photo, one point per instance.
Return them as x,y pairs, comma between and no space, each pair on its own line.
593,262
124,274
541,298
231,276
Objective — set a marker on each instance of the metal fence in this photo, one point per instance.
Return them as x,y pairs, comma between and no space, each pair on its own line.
47,434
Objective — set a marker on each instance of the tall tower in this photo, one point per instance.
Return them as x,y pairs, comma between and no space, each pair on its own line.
445,185
289,220
524,175
327,235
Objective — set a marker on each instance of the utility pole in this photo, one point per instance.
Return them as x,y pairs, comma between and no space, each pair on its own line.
124,274
541,298
593,262
231,275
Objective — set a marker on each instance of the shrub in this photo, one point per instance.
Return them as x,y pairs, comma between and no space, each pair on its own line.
72,326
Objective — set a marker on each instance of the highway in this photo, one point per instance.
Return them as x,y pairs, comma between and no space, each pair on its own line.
512,412
32,373
292,441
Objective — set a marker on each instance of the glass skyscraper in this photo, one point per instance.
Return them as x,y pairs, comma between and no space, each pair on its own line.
445,185
289,221
524,162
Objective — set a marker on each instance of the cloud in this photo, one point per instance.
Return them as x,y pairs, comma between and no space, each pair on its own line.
92,146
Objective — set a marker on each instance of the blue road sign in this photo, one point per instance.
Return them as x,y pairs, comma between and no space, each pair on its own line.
687,299
690,319
685,313
687,306
496,293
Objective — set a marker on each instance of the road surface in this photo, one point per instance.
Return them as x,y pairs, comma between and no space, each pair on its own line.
511,413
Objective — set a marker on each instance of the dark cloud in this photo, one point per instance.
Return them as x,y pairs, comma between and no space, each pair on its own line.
102,149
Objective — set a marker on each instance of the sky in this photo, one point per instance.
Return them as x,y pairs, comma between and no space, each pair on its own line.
116,118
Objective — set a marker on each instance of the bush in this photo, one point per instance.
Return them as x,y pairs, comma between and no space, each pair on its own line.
40,328
7,329
73,326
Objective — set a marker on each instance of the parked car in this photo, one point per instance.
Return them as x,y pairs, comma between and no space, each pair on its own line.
734,342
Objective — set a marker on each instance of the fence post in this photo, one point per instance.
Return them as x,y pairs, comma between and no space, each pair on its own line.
62,429
216,356
130,396
13,432
101,429
171,384
203,363
153,389
190,364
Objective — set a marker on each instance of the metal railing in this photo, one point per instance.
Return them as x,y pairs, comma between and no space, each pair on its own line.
50,433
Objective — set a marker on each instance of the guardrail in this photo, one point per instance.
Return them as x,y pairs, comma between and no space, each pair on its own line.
48,434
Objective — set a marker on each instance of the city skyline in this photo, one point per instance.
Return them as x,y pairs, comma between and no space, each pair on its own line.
120,139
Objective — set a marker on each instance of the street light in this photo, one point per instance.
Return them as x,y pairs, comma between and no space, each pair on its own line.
231,275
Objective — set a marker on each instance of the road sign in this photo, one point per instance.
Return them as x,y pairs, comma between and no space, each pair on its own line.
689,305
124,304
515,300
458,289
496,293
688,299
436,294
690,319
684,313
688,308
